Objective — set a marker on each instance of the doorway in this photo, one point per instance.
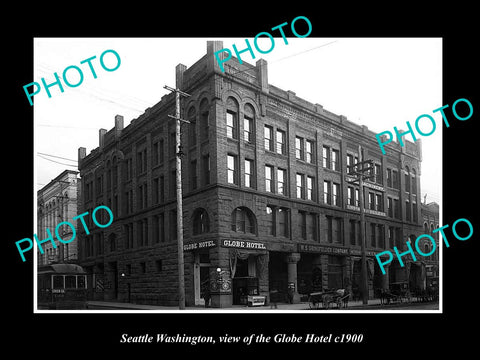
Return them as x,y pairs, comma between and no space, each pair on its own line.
201,276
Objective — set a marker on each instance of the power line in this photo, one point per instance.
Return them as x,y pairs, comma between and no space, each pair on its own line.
75,166
58,157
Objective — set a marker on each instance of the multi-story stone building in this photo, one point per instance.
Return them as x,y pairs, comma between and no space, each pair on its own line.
56,203
431,221
267,202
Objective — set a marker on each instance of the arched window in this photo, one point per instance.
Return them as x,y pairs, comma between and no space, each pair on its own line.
249,124
204,119
414,182
407,179
114,172
243,221
232,118
192,127
201,222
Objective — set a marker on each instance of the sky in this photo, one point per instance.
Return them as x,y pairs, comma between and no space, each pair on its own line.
377,82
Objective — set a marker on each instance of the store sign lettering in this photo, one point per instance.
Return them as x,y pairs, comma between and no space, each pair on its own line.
243,244
331,250
199,245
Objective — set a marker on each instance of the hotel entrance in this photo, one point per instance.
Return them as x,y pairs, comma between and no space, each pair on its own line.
201,276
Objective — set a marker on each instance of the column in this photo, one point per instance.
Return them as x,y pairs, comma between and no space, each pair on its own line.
292,260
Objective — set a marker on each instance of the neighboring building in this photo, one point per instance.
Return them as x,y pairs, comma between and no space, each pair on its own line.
56,203
431,221
267,203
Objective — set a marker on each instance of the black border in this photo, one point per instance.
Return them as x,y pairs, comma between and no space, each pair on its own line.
91,334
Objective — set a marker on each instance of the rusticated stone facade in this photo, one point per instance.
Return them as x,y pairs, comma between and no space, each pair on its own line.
267,204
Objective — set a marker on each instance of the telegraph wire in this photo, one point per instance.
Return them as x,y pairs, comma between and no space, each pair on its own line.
58,157
75,166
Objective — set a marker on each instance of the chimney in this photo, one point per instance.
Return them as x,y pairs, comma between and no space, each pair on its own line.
82,152
101,137
212,48
262,71
118,125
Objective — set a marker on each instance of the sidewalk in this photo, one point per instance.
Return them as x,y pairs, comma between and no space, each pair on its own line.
107,305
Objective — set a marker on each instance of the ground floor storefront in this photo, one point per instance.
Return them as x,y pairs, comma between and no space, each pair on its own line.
227,272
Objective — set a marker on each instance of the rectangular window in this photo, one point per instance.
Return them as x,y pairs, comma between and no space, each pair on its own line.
155,191
299,150
270,220
415,212
129,169
371,201
337,230
309,151
232,169
281,181
161,227
281,142
155,153
310,188
193,174
378,174
173,184
351,196
268,138
336,194
335,160
204,126
390,207
381,236
326,157
268,178
408,209
350,163
302,224
395,182
173,224
232,126
389,177
142,161
249,171
206,169
372,235
248,129
353,231
378,202
161,189
327,198
282,222
396,208
300,186
173,144
311,226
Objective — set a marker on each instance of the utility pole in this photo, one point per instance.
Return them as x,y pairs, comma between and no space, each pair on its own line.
359,171
178,177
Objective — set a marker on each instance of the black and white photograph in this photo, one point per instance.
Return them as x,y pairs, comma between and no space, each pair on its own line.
284,202
258,181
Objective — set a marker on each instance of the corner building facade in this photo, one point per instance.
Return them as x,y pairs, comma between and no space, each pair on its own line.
266,199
